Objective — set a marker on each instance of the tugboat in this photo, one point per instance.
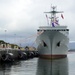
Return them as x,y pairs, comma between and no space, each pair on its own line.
52,40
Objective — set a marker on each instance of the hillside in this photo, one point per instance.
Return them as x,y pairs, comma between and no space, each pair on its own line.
72,45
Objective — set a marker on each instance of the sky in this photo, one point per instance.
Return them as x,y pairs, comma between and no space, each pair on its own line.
20,19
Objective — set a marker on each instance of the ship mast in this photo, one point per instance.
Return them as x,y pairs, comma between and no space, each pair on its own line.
53,18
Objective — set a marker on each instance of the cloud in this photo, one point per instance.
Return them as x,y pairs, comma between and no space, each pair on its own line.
23,17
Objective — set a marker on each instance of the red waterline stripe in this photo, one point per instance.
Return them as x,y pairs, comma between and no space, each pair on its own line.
52,56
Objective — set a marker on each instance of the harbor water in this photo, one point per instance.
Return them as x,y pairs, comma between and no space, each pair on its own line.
36,66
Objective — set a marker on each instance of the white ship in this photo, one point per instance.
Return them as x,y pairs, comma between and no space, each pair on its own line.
53,40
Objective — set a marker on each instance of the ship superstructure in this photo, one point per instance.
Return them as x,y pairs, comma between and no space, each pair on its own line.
53,40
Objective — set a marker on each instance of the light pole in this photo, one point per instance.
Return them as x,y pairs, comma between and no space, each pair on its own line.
20,41
5,37
14,38
5,34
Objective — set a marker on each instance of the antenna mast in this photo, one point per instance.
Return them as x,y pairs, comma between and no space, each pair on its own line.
53,15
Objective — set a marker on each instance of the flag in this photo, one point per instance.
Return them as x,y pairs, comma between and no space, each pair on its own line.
47,19
53,24
46,16
62,16
56,22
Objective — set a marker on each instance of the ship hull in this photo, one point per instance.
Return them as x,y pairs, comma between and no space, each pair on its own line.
53,44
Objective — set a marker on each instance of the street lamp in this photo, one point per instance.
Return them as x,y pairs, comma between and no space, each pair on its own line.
5,39
14,38
5,34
